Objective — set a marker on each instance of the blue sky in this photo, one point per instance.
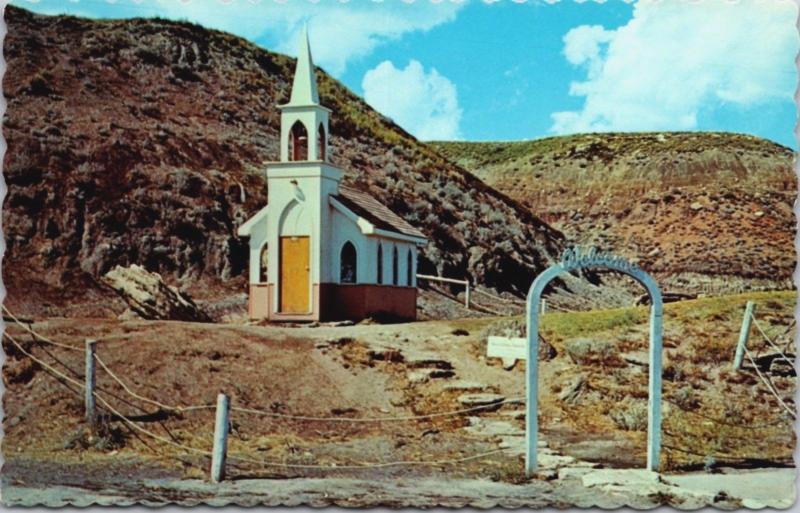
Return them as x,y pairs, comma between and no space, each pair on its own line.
510,71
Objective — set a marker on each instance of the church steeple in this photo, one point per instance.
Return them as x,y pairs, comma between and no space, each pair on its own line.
304,122
304,87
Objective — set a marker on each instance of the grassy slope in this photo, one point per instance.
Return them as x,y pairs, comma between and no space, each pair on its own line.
700,203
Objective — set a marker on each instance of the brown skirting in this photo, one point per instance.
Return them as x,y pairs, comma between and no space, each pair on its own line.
334,302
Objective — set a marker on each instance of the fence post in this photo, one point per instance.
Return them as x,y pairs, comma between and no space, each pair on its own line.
90,414
466,298
220,451
544,306
744,333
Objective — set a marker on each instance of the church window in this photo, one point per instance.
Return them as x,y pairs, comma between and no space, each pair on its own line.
395,278
263,265
321,143
348,263
298,142
380,264
410,269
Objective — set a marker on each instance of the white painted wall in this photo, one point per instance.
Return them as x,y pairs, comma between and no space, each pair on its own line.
304,209
343,230
300,209
258,237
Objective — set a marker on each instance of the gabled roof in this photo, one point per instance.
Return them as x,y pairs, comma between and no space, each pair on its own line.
246,229
364,205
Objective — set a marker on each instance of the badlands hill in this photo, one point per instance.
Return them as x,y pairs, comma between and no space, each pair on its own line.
144,141
705,211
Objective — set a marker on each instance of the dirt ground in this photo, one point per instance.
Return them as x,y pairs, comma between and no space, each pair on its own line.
715,419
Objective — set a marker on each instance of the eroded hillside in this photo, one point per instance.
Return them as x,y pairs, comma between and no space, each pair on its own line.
144,141
706,211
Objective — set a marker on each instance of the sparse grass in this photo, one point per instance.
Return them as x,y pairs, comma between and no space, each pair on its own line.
484,154
719,310
701,391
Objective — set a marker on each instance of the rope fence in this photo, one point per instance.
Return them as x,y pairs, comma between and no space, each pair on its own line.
223,422
770,385
239,457
742,351
770,342
37,336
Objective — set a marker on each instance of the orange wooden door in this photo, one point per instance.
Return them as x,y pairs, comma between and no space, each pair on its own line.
295,285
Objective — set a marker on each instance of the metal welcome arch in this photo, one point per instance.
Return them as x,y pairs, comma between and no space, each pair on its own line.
576,259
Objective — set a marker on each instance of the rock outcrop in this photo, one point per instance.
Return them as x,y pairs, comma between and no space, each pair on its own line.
150,298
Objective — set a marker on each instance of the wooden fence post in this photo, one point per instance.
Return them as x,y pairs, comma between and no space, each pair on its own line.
220,451
544,306
744,333
91,415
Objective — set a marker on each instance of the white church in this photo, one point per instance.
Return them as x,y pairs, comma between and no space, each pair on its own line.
320,250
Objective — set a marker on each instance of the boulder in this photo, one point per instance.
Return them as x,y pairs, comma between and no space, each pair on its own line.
150,297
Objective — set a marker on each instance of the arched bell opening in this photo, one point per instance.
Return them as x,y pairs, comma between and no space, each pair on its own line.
298,142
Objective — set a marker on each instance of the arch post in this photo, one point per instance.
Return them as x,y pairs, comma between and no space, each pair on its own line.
654,387
576,259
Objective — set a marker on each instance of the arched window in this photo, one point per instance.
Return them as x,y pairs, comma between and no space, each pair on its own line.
395,277
263,265
348,263
380,264
321,143
298,142
410,269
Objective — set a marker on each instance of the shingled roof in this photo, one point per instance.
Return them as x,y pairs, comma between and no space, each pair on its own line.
364,205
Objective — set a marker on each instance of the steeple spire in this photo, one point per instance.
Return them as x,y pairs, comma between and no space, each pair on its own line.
304,87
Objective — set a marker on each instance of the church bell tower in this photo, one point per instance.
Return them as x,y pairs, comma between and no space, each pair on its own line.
304,122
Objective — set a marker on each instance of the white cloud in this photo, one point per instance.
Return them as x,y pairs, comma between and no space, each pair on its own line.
673,60
424,103
345,32
340,31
